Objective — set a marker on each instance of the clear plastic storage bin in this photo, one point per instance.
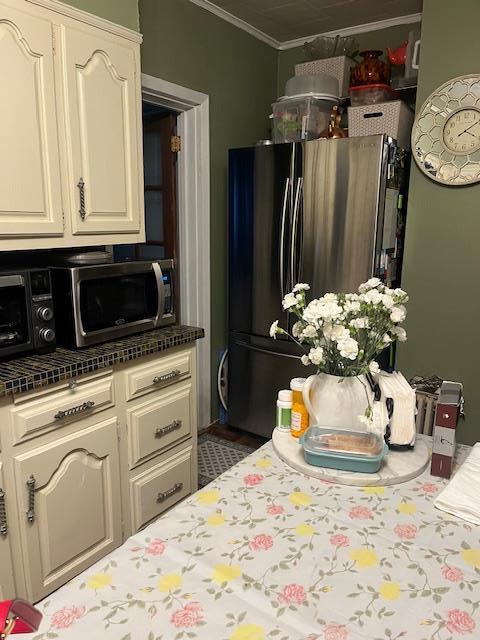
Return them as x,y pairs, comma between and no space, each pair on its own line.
301,117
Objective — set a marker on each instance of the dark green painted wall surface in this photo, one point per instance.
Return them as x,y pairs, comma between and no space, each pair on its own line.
442,261
124,12
189,46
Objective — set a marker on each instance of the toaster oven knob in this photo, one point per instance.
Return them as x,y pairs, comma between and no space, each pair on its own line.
47,335
45,313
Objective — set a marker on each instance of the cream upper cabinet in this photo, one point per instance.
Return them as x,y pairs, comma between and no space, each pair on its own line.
103,132
69,505
7,588
30,192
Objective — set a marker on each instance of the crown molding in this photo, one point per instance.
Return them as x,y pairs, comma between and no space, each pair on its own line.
298,42
89,18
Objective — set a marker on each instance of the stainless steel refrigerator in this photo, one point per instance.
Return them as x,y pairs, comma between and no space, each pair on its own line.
319,212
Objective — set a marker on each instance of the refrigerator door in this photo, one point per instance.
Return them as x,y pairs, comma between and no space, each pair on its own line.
340,221
260,204
257,369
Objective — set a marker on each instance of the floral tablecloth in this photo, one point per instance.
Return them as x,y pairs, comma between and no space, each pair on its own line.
267,553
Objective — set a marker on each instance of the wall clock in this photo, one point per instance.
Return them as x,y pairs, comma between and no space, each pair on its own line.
446,133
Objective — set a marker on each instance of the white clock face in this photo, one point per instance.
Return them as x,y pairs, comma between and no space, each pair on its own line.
461,133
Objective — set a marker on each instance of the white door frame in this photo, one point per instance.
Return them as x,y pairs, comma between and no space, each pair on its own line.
193,217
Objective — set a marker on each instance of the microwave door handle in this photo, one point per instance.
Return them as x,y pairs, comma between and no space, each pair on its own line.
157,270
283,222
293,246
12,281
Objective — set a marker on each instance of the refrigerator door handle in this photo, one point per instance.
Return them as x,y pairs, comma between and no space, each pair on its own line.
293,246
283,223
245,345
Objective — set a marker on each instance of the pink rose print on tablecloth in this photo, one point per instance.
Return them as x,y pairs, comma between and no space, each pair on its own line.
274,509
188,616
65,617
460,622
293,594
261,542
406,531
253,479
339,540
452,573
430,487
156,547
335,632
360,513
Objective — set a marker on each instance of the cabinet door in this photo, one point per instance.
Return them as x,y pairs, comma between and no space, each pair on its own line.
103,132
70,513
7,589
30,193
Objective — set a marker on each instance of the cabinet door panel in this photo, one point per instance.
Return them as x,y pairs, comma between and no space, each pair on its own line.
77,512
30,194
7,589
103,109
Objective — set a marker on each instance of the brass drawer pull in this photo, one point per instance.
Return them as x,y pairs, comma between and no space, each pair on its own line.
164,495
167,376
31,482
73,411
162,431
3,514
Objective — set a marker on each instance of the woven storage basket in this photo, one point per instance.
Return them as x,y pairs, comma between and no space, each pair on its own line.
392,118
338,67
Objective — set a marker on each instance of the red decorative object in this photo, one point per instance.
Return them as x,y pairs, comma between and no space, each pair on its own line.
398,56
18,616
371,70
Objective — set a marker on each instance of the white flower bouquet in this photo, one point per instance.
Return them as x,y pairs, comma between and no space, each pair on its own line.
343,333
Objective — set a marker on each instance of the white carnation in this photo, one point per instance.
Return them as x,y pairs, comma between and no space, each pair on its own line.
311,313
400,295
373,296
387,339
348,348
400,333
387,301
339,333
373,282
274,329
330,310
329,297
309,331
316,355
352,306
289,301
360,323
297,329
301,287
398,314
305,360
373,367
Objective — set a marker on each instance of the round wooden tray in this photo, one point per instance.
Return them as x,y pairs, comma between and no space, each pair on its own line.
398,466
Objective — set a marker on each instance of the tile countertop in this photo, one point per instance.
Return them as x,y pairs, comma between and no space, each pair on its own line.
31,372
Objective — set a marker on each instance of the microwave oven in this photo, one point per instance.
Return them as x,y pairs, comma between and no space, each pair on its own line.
27,323
109,301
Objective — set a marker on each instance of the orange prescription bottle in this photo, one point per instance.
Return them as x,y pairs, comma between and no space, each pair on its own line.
300,418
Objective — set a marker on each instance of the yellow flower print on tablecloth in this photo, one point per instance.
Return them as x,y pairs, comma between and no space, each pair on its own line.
364,557
225,573
169,582
407,508
263,463
471,557
389,590
304,529
216,519
99,581
248,632
300,499
374,490
208,497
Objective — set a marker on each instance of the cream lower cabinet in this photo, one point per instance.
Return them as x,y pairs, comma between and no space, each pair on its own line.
7,587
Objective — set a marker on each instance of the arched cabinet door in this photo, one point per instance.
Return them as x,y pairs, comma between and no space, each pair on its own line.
102,104
70,514
30,193
7,587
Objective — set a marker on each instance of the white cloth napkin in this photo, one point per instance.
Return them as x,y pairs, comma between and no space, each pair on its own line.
402,423
461,496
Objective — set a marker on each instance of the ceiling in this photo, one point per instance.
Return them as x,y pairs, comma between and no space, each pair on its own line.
285,20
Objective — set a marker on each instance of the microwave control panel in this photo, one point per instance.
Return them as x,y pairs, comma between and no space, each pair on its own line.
168,284
42,308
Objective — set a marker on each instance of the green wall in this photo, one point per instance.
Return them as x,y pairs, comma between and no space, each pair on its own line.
442,261
189,46
124,12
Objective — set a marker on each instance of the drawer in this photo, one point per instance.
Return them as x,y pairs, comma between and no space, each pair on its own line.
158,373
160,487
54,410
157,424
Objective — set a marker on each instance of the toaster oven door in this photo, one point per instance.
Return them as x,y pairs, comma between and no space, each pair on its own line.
15,325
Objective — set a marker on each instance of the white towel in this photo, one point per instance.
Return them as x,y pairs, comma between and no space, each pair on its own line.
402,423
461,496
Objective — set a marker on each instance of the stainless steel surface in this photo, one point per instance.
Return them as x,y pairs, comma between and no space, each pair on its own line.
281,252
31,482
175,373
162,431
3,514
344,183
81,188
164,495
73,411
294,258
12,281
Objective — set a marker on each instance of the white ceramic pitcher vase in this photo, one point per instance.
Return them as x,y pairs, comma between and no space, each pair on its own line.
334,401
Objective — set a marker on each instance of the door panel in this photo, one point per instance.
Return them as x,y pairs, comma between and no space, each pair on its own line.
102,107
74,505
30,197
257,369
7,587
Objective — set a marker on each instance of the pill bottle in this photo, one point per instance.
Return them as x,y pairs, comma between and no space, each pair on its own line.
300,418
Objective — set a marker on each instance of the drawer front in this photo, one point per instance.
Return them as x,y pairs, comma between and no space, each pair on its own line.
52,411
159,488
157,374
157,424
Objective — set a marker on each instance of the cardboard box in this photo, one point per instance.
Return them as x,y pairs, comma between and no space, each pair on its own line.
449,408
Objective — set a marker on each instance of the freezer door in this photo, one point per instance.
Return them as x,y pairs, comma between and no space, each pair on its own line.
341,217
260,204
257,369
